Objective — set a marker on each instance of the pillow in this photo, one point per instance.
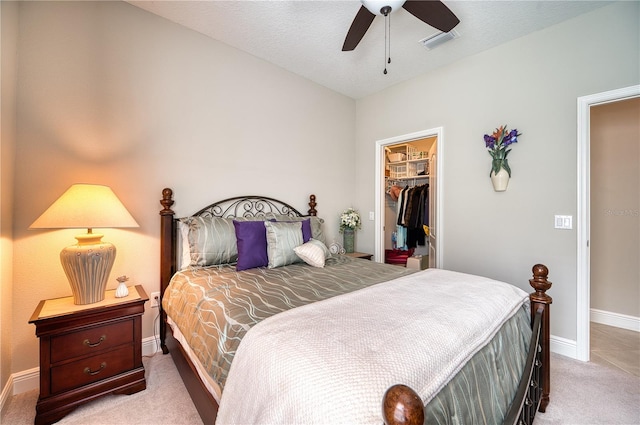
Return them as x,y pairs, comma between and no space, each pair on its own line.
306,228
282,237
184,253
313,253
316,225
251,238
212,240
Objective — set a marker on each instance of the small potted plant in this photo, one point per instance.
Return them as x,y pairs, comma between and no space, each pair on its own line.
122,290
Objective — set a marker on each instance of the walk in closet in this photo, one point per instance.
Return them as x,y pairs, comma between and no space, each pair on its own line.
409,201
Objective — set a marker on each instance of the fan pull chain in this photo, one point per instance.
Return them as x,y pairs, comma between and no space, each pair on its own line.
387,41
389,61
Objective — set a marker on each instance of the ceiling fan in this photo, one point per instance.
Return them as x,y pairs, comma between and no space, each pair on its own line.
432,12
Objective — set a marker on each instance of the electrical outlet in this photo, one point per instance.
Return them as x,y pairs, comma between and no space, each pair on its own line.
155,299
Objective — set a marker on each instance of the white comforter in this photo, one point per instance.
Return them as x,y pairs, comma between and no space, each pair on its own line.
332,361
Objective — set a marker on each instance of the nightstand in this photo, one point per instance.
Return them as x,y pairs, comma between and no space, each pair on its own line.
359,255
87,351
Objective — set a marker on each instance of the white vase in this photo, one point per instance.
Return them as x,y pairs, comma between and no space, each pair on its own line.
122,290
500,180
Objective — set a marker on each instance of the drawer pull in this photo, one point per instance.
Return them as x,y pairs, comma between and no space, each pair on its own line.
95,372
94,344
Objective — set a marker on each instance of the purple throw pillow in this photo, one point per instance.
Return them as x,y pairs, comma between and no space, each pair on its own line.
306,230
251,237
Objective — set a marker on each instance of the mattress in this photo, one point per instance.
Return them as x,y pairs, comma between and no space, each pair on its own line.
211,309
344,352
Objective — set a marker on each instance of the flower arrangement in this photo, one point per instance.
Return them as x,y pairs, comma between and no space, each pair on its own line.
350,219
498,146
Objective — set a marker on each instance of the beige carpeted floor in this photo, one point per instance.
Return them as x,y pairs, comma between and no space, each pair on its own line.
165,401
581,394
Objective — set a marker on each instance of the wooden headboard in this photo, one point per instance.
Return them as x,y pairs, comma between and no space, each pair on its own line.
240,206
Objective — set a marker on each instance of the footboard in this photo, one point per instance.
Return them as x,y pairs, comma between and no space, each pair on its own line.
401,405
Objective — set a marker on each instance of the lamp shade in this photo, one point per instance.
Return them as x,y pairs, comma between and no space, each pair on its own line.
88,263
85,206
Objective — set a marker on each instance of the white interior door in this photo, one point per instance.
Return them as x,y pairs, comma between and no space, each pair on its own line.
436,193
583,217
433,217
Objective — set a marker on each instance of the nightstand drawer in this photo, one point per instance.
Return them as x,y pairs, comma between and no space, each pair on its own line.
91,369
89,341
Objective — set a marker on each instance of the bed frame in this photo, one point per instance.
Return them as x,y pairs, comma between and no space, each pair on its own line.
401,405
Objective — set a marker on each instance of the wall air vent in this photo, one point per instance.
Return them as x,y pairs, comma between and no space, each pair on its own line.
434,41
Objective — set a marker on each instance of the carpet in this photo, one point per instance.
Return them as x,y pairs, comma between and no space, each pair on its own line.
581,394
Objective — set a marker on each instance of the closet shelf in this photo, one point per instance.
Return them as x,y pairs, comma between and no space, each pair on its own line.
408,160
421,177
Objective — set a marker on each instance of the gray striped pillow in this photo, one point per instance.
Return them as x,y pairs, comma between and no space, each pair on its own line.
212,241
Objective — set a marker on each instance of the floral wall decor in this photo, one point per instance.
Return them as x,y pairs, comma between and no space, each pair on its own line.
497,145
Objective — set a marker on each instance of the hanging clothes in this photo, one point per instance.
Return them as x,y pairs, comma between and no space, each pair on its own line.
414,215
401,230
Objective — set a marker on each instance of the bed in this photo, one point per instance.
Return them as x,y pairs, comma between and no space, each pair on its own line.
290,333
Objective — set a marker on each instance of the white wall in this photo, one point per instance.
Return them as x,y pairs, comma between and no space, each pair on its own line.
8,36
108,93
531,83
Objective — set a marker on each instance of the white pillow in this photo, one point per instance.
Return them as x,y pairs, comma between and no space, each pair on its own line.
313,253
184,253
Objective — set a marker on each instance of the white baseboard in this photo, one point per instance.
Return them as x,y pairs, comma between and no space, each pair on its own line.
28,380
150,345
615,319
6,393
20,382
563,346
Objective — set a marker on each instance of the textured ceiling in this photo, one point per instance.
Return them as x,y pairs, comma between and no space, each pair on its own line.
306,36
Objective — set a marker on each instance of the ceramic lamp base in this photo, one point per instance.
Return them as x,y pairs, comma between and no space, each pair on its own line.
87,266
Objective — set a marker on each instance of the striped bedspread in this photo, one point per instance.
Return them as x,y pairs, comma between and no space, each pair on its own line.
214,307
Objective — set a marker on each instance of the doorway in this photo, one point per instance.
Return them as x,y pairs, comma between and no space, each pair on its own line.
435,184
584,211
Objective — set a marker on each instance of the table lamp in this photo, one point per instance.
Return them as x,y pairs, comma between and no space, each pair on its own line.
88,263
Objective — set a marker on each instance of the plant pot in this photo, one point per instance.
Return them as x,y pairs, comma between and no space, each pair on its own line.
500,180
122,290
348,240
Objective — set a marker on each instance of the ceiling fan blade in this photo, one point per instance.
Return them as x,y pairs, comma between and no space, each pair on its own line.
432,12
359,27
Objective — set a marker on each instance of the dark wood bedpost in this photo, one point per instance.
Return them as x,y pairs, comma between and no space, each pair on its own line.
540,300
401,405
167,257
312,205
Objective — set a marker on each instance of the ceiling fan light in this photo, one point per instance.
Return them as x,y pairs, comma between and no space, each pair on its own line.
375,6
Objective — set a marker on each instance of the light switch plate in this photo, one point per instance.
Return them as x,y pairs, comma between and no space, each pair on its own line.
563,222
371,216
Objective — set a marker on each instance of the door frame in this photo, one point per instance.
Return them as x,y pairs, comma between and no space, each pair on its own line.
583,306
438,132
